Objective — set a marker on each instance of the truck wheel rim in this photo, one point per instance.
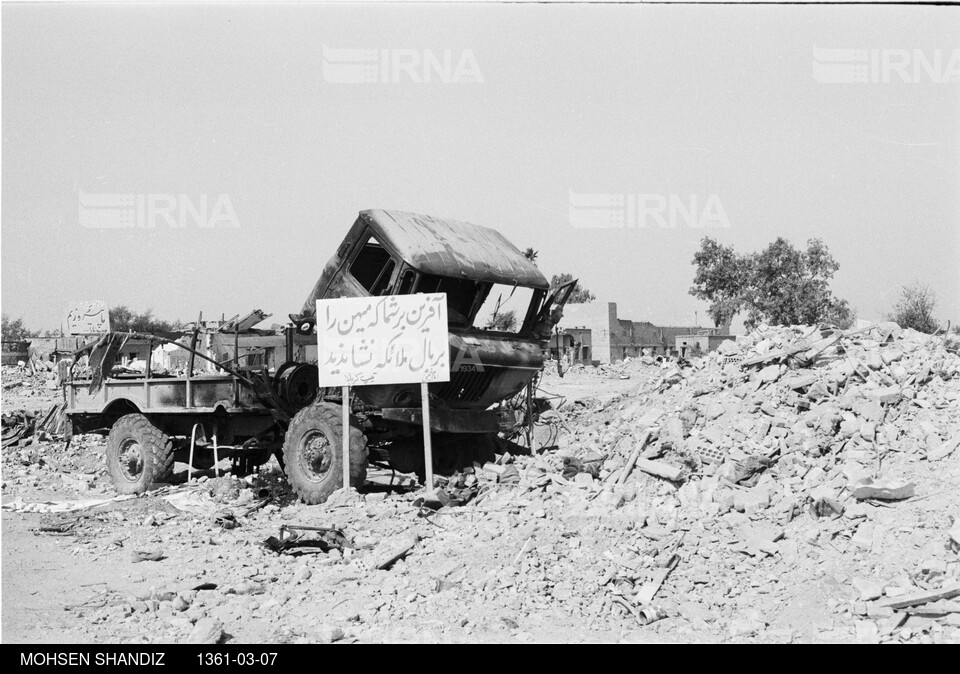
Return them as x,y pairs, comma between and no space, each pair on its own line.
131,460
316,454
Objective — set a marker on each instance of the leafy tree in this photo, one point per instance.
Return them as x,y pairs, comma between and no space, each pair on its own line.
792,287
531,255
123,319
15,331
841,315
722,278
579,294
915,308
779,285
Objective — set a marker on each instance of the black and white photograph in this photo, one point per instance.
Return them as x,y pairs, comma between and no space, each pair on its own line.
332,323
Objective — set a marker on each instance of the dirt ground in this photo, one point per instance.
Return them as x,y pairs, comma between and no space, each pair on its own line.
542,558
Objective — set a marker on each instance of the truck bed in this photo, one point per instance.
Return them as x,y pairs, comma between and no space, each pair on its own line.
168,395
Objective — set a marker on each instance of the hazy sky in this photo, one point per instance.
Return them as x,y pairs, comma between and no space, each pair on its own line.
657,100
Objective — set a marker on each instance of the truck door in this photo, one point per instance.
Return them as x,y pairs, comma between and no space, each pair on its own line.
552,310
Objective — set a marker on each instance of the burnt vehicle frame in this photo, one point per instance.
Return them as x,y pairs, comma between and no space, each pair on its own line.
250,414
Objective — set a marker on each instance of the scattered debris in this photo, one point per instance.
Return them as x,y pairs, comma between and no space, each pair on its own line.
291,538
225,519
327,634
923,597
660,469
944,450
206,631
17,427
146,556
392,549
886,490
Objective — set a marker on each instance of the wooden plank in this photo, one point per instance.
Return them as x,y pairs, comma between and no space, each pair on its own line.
916,598
641,443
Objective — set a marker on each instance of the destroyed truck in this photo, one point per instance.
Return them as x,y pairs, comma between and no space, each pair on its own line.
501,312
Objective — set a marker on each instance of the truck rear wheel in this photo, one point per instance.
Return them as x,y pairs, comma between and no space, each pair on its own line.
313,453
138,454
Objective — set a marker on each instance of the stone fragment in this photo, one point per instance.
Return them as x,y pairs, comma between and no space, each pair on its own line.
391,549
884,490
868,589
206,631
770,373
327,634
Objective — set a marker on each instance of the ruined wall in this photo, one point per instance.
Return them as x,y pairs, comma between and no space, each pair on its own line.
49,348
601,319
614,339
263,350
663,338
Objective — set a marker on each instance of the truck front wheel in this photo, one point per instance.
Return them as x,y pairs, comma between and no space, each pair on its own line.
313,453
138,454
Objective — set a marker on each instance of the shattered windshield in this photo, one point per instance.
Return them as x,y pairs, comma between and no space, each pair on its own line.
487,306
504,308
460,295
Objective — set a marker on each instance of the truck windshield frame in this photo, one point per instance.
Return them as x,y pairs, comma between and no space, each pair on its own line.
373,266
465,298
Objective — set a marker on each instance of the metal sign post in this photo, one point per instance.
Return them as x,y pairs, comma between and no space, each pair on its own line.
346,437
427,446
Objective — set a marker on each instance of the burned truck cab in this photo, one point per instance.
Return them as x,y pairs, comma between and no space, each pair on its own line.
500,311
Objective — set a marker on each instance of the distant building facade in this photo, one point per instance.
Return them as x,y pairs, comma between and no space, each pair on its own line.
592,332
15,351
691,346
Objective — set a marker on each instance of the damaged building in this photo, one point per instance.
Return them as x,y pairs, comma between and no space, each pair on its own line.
219,339
592,332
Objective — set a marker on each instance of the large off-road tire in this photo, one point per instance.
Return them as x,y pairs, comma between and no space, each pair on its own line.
138,454
313,453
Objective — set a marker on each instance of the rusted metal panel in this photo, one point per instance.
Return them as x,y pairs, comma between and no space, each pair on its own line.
446,420
454,248
166,394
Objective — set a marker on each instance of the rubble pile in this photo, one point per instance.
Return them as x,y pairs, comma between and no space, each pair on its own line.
30,389
38,462
786,391
796,485
619,370
786,443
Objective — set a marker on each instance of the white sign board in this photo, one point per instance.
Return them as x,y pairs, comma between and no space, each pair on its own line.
394,339
87,318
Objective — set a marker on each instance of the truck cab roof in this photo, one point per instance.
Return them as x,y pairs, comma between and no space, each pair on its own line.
453,248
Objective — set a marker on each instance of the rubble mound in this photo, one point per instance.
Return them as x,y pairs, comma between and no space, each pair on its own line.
791,446
798,484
